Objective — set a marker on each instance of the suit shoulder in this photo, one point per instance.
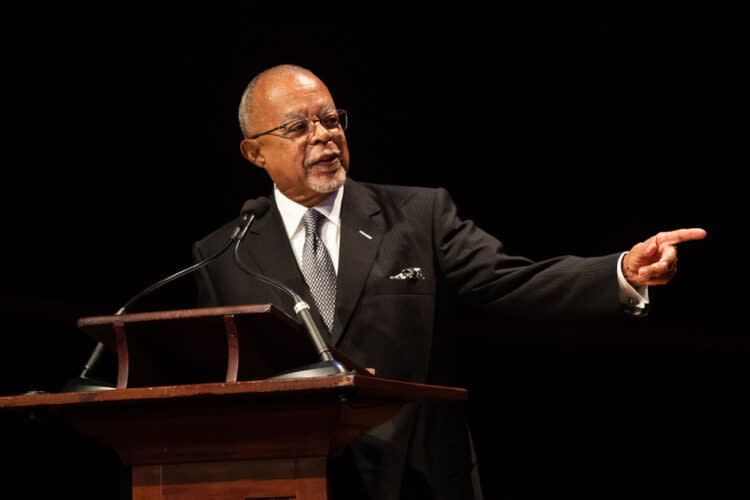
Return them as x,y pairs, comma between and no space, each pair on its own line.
217,238
398,195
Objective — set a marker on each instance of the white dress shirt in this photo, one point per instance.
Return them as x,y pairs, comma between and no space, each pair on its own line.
291,213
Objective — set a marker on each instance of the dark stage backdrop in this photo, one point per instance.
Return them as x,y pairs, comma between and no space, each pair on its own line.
559,133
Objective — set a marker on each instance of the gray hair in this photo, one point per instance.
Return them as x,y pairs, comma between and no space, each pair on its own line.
247,103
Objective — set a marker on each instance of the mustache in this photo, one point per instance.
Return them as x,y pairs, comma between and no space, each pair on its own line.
326,154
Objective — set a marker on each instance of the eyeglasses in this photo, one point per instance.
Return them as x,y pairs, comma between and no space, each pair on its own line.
304,127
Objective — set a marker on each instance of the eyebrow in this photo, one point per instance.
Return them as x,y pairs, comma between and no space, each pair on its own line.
301,113
294,114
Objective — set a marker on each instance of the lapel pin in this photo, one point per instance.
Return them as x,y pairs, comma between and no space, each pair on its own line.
365,234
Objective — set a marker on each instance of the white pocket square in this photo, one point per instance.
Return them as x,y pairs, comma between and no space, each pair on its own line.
409,273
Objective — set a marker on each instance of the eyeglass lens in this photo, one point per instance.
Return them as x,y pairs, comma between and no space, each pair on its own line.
304,127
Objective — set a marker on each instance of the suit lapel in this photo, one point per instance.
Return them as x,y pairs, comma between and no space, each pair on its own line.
360,213
268,247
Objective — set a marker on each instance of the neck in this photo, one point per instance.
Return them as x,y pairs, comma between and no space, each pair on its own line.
308,198
312,200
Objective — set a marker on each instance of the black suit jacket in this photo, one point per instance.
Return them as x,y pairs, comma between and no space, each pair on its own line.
406,329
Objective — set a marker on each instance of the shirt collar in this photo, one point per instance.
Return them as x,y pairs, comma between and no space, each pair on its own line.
292,212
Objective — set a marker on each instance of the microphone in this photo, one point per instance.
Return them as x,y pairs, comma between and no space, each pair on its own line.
251,210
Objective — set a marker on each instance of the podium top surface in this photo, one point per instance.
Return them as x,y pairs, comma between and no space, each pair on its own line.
357,386
140,317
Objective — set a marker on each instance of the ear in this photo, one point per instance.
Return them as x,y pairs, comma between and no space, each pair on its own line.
251,150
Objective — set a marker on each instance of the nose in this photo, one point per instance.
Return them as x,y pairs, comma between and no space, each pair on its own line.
320,133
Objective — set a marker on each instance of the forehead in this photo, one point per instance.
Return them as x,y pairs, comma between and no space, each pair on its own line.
291,95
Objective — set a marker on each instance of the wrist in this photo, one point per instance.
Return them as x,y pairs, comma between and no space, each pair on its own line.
630,277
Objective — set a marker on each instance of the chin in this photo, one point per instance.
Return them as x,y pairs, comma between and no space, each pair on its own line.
326,183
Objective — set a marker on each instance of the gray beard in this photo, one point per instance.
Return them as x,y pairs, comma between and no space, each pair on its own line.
325,185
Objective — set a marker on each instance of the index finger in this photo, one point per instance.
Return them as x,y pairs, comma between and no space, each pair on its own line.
680,235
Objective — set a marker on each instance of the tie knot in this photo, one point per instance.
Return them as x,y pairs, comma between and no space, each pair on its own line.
312,221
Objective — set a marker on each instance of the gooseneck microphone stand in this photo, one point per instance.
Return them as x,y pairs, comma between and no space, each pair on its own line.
250,211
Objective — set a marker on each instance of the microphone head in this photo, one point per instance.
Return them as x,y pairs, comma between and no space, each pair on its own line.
258,206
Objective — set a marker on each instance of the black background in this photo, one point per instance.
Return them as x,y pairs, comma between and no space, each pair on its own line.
561,133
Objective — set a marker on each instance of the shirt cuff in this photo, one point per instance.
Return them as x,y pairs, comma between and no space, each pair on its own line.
634,300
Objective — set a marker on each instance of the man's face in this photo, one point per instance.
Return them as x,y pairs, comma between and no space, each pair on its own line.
306,169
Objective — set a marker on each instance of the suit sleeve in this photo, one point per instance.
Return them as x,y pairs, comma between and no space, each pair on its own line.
477,269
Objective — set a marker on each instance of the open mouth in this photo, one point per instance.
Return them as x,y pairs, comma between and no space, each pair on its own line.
328,161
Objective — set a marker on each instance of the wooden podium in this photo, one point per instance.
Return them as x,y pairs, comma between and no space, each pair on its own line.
243,436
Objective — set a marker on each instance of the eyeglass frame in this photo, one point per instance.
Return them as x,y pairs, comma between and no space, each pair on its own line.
338,112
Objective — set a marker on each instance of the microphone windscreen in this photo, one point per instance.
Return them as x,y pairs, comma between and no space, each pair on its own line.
258,206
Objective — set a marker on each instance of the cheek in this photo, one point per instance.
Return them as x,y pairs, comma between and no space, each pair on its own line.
285,163
293,156
344,147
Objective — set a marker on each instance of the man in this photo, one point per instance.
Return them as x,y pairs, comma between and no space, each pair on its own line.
385,269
